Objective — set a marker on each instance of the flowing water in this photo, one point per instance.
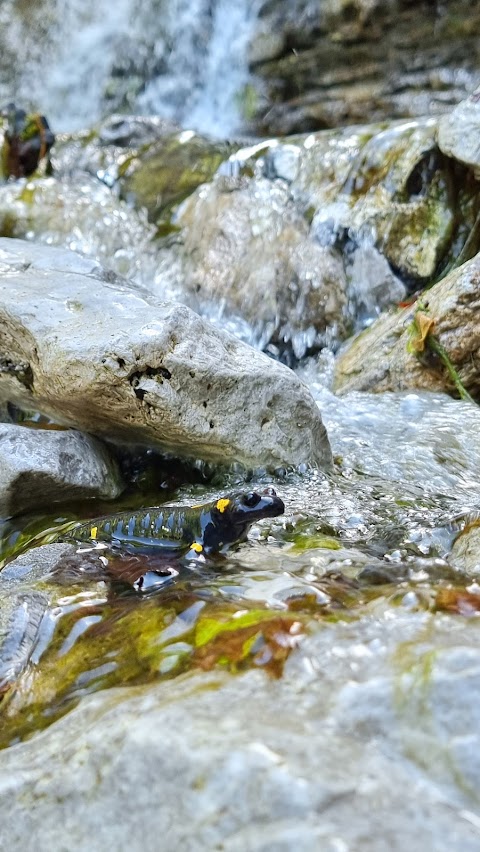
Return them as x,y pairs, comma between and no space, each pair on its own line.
182,59
367,543
372,537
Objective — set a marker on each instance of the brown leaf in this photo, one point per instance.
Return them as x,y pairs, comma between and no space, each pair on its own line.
457,601
423,326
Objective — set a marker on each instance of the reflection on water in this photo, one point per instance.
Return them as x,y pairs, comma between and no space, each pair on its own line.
371,538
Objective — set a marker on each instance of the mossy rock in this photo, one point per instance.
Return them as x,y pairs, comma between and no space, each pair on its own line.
169,170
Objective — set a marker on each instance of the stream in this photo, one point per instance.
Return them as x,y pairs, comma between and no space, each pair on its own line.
342,636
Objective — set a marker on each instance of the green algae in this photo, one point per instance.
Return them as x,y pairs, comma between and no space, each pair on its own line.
167,171
131,641
309,542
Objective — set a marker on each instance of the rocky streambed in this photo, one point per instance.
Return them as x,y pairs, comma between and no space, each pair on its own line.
298,314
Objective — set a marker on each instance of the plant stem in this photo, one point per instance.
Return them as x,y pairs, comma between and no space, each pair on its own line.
439,350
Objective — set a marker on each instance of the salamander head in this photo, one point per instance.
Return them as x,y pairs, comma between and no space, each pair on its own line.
231,517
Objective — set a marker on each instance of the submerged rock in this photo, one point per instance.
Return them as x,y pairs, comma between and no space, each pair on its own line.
39,467
359,716
20,619
381,359
30,588
106,356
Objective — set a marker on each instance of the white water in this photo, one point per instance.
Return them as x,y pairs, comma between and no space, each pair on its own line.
207,73
63,70
62,61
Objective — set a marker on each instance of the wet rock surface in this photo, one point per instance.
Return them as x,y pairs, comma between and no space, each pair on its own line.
108,357
381,359
458,132
247,246
41,467
27,601
340,62
291,246
167,171
398,194
303,766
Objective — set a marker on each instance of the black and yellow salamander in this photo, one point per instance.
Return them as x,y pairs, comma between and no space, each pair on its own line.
187,531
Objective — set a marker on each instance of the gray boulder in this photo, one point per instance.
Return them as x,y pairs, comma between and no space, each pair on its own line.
104,355
39,467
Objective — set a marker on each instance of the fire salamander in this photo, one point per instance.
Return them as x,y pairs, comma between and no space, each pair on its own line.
187,531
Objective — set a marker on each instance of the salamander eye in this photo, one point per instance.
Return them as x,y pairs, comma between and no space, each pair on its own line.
251,499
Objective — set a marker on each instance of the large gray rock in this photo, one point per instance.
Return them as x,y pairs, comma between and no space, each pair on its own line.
370,741
395,196
108,357
39,467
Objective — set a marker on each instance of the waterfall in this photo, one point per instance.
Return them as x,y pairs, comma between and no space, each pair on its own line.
207,70
76,60
61,68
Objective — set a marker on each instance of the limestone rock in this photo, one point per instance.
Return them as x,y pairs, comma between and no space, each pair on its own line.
107,357
397,195
247,247
39,467
379,360
458,132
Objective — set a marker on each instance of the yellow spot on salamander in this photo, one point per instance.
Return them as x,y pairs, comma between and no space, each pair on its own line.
222,504
93,532
196,546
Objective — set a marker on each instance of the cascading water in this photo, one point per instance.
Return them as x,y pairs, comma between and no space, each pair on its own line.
61,68
207,68
78,60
